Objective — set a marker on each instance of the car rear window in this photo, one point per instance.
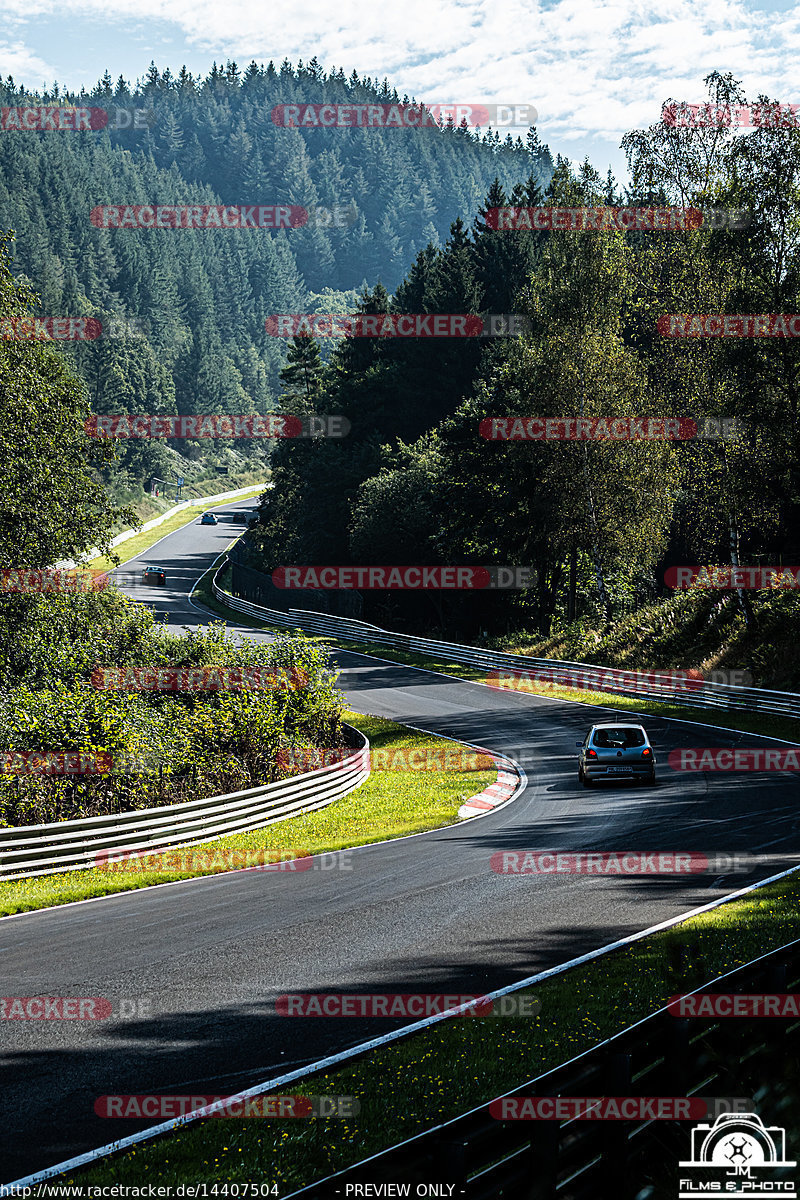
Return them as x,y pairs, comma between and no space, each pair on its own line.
618,737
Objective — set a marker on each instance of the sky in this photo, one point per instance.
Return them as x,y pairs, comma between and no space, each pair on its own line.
592,71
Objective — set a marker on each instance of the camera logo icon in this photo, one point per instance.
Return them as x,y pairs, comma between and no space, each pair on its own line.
740,1142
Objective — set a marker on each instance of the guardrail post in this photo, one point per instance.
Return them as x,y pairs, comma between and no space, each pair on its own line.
451,1160
542,1158
676,1060
612,1170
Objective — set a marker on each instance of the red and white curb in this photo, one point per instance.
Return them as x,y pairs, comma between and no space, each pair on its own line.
496,793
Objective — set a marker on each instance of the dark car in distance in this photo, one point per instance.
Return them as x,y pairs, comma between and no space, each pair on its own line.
156,575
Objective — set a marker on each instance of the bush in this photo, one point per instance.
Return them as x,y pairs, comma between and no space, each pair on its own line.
163,747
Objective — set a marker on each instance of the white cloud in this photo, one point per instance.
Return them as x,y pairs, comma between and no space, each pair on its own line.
593,68
23,63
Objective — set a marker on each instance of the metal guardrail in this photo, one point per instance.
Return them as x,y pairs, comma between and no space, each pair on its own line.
32,850
488,1159
640,685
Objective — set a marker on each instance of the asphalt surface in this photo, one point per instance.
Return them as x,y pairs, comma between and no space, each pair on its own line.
422,914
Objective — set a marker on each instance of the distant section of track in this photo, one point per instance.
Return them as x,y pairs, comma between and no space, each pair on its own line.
425,913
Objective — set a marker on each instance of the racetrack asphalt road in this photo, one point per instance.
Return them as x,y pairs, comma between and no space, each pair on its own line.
422,914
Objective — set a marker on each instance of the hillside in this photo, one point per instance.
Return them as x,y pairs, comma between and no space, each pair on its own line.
695,629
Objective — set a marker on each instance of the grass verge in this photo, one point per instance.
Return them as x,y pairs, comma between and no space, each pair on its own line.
390,804
446,1070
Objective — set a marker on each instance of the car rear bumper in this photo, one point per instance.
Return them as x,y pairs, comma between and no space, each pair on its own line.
627,771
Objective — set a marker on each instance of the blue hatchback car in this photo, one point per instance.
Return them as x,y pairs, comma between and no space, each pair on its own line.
208,518
616,751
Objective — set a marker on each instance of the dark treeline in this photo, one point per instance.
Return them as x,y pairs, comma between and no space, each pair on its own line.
201,297
415,483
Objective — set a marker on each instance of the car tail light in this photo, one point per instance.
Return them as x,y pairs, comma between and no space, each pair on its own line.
646,752
591,754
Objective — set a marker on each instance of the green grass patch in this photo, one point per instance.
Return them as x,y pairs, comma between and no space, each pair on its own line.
390,804
445,1070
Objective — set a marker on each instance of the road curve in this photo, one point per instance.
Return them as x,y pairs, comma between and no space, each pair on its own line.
425,913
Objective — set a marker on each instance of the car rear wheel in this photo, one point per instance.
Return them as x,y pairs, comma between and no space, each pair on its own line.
585,780
651,779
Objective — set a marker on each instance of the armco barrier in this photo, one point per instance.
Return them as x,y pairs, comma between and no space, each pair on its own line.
26,851
489,1159
707,695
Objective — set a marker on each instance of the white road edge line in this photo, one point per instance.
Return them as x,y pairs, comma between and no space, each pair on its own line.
385,1039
